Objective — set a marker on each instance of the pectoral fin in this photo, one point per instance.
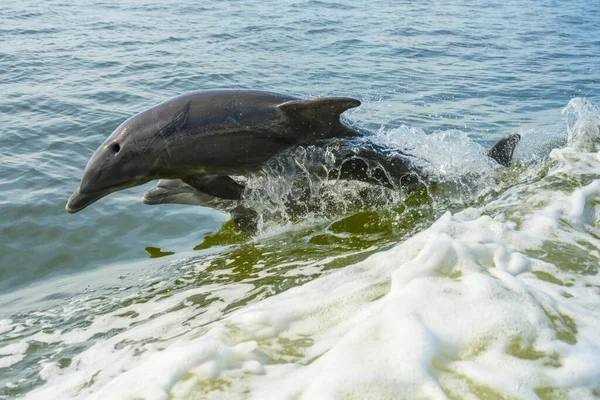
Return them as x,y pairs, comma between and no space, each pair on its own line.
221,186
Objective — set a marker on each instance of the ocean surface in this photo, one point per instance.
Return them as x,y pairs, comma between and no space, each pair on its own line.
483,284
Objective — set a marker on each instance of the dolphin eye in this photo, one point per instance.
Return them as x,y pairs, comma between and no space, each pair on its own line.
115,148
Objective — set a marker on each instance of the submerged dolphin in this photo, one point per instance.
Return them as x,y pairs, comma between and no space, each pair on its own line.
368,163
219,132
175,191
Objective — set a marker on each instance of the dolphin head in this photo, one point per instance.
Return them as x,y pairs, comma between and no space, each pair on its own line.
175,191
119,163
135,153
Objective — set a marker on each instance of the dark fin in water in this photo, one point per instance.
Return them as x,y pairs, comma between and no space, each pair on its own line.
323,111
221,186
502,151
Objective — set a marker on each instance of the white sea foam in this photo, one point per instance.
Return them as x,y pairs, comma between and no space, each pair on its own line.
12,354
6,325
500,300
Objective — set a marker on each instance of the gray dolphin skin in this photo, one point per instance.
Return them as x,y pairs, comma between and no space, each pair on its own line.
175,191
218,133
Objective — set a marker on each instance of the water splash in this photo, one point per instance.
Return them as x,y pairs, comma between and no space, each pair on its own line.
305,184
583,124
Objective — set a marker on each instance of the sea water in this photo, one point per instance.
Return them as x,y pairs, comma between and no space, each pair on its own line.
483,284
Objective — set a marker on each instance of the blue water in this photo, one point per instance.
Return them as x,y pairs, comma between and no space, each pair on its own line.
71,72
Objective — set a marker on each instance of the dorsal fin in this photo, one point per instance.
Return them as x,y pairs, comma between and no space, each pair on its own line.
323,107
321,115
502,151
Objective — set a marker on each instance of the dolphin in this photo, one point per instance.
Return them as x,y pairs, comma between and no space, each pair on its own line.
208,133
392,168
366,162
175,191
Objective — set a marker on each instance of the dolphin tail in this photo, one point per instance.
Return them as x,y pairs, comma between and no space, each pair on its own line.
502,151
323,115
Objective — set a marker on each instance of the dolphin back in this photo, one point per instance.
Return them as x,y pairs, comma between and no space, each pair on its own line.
233,132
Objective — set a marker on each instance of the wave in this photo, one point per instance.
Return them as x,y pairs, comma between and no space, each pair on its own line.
493,293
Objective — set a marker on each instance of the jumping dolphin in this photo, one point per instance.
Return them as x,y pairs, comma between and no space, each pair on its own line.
368,163
218,133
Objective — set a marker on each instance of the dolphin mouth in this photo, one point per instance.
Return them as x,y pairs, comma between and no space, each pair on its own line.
78,200
154,196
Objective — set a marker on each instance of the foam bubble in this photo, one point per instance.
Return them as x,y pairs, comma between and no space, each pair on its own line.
12,354
6,325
